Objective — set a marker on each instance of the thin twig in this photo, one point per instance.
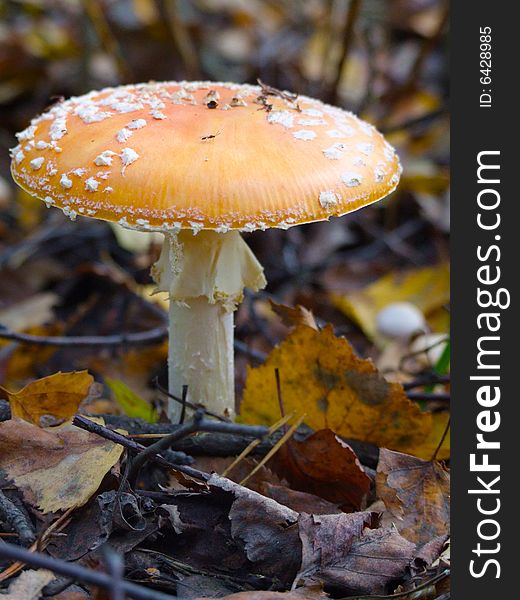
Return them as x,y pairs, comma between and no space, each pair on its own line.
428,45
286,436
184,398
413,122
180,37
429,396
427,379
279,391
255,443
96,14
348,30
78,573
186,402
424,584
189,404
446,429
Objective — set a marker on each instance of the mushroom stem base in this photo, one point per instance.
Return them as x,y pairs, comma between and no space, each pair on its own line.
201,355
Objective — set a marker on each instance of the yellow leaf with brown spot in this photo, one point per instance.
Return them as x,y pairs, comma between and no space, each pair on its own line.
57,395
322,377
427,288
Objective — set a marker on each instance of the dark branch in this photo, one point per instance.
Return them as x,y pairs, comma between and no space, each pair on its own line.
78,573
14,517
152,336
426,380
117,438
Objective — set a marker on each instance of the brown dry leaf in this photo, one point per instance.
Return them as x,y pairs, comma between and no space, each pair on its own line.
323,378
267,529
326,466
28,585
58,395
55,468
294,315
339,551
417,493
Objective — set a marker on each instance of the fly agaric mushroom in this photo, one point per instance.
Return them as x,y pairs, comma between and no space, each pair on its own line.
201,162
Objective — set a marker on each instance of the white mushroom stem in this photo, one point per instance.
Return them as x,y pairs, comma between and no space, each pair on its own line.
205,276
201,355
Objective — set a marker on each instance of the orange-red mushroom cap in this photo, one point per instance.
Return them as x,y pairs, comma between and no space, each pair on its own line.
203,155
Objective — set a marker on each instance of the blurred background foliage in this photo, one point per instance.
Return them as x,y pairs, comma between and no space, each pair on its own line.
383,59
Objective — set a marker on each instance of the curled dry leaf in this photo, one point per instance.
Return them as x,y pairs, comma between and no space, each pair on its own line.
55,468
267,529
326,466
417,493
322,377
57,395
342,551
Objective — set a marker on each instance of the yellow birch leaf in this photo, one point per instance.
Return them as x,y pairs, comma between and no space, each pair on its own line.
322,377
427,288
58,467
57,395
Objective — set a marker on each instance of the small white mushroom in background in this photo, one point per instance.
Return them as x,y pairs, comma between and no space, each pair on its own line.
400,320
